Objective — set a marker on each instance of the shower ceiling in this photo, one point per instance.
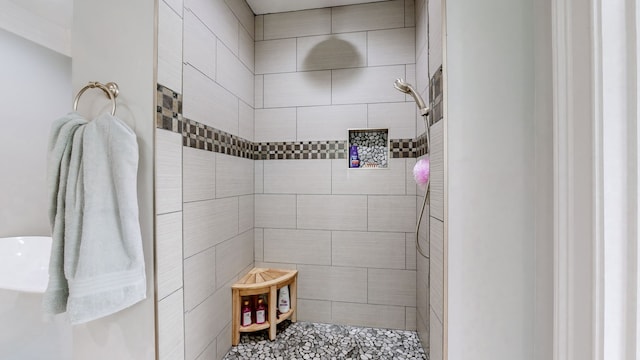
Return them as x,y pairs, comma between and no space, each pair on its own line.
273,6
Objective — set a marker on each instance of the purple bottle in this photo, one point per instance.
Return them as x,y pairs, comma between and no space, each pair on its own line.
354,160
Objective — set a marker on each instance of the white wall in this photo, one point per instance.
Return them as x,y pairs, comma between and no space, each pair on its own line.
494,137
114,41
37,91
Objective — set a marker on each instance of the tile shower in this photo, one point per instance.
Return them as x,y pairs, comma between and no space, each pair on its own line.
251,167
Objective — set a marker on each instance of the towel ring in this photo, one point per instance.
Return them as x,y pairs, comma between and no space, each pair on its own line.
111,89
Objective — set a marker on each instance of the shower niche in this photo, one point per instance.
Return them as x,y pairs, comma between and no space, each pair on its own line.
368,149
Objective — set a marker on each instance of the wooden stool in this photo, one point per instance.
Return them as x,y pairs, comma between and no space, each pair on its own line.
263,281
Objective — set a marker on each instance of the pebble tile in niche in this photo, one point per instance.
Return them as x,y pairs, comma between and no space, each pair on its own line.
303,340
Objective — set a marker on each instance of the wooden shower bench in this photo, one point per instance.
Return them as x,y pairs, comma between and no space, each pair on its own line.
263,281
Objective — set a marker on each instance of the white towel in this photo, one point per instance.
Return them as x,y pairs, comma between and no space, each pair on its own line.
105,268
58,162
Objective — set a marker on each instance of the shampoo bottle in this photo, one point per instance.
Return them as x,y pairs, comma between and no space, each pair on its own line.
354,160
261,312
283,299
246,313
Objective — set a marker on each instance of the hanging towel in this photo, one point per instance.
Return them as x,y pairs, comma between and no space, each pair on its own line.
58,163
104,265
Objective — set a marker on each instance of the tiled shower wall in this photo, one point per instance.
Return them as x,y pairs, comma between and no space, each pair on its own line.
204,194
430,268
349,232
422,261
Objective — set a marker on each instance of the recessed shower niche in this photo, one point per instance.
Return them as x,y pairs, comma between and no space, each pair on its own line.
368,149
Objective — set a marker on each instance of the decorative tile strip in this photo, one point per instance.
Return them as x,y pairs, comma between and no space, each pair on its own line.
200,136
402,148
435,96
300,150
421,145
169,110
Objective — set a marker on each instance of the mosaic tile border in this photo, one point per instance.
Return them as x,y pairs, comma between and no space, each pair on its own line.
300,150
168,110
200,136
435,97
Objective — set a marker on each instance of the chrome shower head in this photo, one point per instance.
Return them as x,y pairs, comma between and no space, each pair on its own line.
406,88
401,85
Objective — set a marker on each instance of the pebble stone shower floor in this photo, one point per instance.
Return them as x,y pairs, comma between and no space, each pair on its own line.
304,340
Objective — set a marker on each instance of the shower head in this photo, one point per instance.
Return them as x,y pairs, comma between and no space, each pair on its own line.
406,88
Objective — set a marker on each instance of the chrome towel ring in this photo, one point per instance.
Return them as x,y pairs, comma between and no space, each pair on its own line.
110,88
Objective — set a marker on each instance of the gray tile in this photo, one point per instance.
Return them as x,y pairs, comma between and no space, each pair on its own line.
379,15
384,316
332,212
297,246
332,283
169,253
368,249
391,287
297,23
171,327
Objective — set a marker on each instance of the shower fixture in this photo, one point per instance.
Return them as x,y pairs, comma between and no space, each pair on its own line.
406,88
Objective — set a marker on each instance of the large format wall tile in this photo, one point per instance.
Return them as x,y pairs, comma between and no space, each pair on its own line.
389,181
217,16
332,283
198,174
171,327
332,212
368,249
232,256
399,118
275,56
199,277
390,47
436,282
297,177
298,89
391,287
168,253
297,246
206,321
168,172
169,39
246,124
332,51
208,223
221,114
275,211
199,46
244,14
272,125
379,15
392,213
437,171
297,23
379,316
365,85
314,310
319,123
247,50
246,208
233,75
234,176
